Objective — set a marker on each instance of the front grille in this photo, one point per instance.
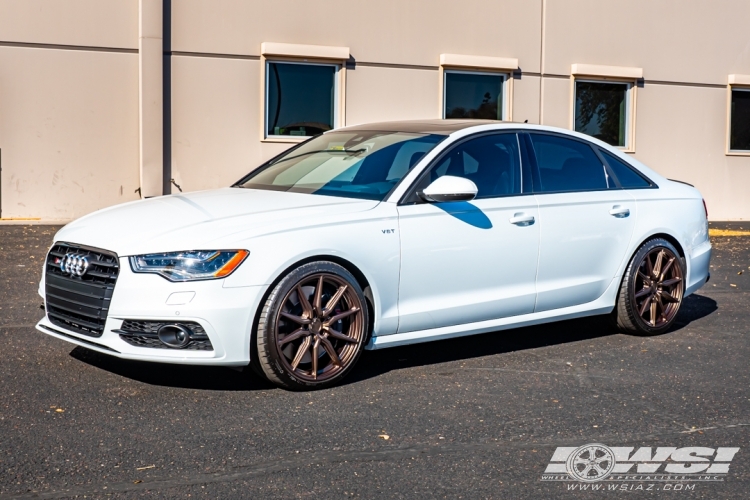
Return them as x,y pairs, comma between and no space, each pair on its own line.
80,303
141,333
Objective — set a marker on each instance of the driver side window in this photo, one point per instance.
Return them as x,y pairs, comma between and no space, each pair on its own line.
492,162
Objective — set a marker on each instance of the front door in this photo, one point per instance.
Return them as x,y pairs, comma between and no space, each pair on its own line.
463,262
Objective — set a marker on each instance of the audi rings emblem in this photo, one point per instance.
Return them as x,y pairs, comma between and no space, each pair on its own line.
75,265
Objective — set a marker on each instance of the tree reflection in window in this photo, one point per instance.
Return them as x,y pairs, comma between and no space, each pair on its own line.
601,111
473,95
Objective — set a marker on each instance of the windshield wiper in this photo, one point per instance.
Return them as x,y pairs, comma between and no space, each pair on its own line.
348,151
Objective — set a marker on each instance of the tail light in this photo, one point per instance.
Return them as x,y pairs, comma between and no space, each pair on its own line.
705,208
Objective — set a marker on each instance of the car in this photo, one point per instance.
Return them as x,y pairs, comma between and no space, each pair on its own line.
375,236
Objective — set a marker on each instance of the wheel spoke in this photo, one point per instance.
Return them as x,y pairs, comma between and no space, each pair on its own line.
668,297
666,268
334,300
657,265
342,315
643,276
653,313
304,346
331,351
644,306
671,282
307,309
314,371
318,296
644,291
338,335
649,266
296,319
661,307
293,336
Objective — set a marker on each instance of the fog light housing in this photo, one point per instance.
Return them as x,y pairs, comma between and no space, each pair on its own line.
175,336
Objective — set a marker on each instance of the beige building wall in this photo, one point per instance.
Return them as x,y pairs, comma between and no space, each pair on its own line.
70,114
68,106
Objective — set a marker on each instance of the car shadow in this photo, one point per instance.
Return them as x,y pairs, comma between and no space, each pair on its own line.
213,378
375,363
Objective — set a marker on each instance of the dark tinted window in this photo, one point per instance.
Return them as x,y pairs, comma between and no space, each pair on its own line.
472,95
739,139
491,162
567,164
625,174
601,111
300,99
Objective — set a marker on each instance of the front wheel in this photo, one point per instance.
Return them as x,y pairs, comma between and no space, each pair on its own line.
652,289
312,328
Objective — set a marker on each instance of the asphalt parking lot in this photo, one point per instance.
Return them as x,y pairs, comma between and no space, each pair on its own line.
478,417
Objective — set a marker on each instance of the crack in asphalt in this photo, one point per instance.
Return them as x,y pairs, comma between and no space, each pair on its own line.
335,457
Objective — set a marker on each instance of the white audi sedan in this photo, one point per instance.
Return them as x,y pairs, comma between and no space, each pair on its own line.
375,236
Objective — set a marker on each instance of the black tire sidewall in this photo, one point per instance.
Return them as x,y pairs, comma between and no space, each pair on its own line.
631,306
271,364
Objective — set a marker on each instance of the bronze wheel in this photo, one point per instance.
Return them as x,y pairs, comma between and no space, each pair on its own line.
652,289
313,327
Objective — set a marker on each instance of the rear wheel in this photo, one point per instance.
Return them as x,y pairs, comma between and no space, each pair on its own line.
312,328
652,289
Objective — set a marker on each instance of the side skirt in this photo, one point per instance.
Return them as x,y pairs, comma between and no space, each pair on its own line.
602,305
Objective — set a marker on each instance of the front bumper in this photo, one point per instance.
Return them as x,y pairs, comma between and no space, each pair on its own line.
225,313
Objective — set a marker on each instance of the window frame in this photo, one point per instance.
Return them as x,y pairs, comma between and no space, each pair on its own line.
410,193
729,151
505,86
630,97
339,84
612,175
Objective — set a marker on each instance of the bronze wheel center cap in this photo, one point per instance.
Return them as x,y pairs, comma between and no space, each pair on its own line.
316,325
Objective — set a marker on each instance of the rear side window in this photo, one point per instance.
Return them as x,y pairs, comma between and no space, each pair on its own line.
628,177
567,165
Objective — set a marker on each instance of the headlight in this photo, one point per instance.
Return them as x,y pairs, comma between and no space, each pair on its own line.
190,266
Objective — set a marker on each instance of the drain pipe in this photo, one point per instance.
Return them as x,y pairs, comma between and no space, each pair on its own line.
151,97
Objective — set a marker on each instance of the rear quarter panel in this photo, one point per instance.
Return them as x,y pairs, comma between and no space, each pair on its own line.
676,210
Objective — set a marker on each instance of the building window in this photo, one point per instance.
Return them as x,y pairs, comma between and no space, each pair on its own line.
739,127
602,110
473,95
300,98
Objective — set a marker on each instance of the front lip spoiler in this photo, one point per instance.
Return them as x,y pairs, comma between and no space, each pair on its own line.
78,339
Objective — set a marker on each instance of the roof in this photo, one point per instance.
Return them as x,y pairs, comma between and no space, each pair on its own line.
442,127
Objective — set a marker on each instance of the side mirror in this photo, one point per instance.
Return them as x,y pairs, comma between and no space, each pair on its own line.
449,188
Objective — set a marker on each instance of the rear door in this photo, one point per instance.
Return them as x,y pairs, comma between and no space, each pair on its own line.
585,227
464,262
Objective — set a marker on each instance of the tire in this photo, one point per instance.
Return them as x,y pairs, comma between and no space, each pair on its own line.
651,290
312,327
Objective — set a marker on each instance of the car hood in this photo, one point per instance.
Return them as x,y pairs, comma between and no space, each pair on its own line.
204,220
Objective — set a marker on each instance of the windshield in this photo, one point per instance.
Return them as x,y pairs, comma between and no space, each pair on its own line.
365,165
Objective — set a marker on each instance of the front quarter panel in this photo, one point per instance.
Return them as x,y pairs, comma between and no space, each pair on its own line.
369,240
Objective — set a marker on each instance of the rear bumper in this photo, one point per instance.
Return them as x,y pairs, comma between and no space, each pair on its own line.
226,314
698,267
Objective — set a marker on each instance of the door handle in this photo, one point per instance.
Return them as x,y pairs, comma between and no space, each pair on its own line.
521,219
619,212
